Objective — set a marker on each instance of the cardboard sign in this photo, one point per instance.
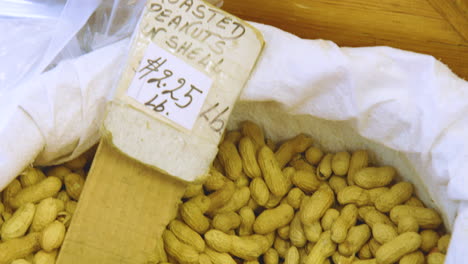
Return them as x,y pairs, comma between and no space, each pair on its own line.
187,65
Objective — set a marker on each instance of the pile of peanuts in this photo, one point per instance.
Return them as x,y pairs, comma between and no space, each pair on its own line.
296,204
36,210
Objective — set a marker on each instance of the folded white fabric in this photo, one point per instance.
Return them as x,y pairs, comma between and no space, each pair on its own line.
56,117
409,109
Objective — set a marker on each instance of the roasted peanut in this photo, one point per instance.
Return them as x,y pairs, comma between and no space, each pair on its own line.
329,218
343,223
288,173
246,247
59,172
323,249
398,194
313,208
192,213
291,147
324,169
43,257
383,233
193,190
395,249
226,221
239,199
10,191
426,217
365,261
74,184
283,232
242,181
416,257
337,183
247,151
306,181
19,248
76,163
376,193
359,159
220,197
436,258
46,213
340,163
273,201
233,136
408,224
443,243
278,184
355,240
20,261
271,219
292,256
413,201
65,218
309,246
52,236
301,164
340,259
281,246
429,240
219,258
215,180
374,246
371,216
271,256
6,215
63,196
313,231
218,166
259,191
365,252
354,194
295,197
31,176
252,130
314,155
271,144
19,223
180,251
373,177
247,219
252,204
204,258
230,159
296,232
187,235
32,194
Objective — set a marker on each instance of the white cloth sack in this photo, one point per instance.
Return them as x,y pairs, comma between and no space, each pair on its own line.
409,109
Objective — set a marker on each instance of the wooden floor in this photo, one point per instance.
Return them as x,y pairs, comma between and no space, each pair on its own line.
435,27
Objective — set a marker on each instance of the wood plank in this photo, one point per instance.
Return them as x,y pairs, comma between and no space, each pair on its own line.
455,12
124,203
410,25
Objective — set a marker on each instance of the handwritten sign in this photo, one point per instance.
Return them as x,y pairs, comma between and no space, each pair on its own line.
186,67
170,87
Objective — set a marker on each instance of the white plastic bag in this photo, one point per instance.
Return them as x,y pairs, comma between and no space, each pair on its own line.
40,34
409,109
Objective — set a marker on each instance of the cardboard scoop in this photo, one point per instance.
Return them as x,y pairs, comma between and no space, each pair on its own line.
187,65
